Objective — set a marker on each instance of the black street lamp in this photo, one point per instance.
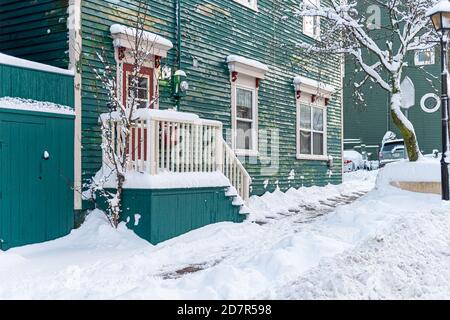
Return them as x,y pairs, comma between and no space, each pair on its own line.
440,16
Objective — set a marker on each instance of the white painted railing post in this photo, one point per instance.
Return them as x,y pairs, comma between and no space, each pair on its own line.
152,140
219,149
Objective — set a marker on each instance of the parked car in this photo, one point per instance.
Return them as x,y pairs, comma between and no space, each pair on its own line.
353,160
392,151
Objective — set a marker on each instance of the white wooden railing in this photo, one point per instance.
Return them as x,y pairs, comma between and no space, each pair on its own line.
173,145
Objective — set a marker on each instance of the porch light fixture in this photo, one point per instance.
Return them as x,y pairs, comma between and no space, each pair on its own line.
440,17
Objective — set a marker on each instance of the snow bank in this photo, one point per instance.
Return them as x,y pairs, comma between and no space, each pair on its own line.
17,62
33,105
272,204
425,170
163,180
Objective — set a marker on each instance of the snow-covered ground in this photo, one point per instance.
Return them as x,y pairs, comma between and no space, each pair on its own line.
341,241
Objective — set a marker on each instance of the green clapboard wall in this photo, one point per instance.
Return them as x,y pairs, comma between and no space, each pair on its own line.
35,30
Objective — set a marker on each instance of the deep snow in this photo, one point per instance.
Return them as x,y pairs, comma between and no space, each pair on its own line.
305,244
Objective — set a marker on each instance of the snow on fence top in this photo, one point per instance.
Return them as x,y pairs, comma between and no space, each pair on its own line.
164,180
17,62
33,105
149,114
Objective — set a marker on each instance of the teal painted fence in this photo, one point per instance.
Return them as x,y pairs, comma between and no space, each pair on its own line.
159,215
36,195
37,85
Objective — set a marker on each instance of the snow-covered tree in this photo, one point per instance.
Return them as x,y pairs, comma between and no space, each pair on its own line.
380,39
116,138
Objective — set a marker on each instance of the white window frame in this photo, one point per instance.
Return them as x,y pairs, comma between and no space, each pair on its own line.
251,4
320,104
419,63
316,26
254,132
137,99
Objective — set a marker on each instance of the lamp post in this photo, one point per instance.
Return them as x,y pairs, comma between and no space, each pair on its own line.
440,17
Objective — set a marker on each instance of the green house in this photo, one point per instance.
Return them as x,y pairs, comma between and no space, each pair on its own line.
257,115
366,110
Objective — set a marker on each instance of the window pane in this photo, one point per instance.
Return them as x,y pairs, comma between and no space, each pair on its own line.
318,119
305,142
318,143
143,83
305,117
244,136
143,94
244,103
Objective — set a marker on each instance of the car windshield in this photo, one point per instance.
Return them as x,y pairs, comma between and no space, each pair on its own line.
388,147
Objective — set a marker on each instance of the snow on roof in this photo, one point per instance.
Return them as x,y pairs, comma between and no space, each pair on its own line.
442,6
17,62
117,29
248,62
33,105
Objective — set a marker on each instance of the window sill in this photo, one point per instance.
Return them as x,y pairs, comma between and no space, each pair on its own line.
312,157
246,153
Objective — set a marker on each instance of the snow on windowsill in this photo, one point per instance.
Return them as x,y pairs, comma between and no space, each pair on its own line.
17,62
33,105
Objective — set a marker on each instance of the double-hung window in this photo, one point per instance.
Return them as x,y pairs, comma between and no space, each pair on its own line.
311,24
139,89
245,76
245,119
311,131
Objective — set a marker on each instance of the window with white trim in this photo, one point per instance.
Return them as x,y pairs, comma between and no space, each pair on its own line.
245,77
252,4
311,124
245,110
424,57
311,24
